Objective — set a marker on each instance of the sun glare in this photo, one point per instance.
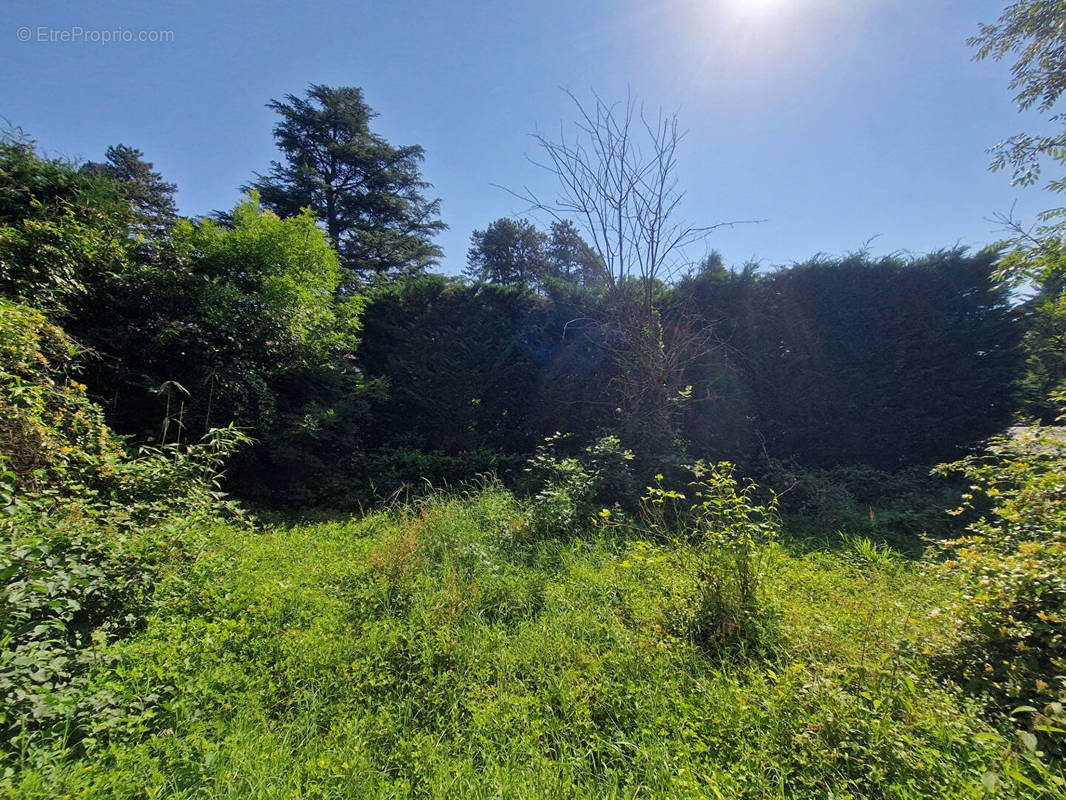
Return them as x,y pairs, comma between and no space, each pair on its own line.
758,9
751,49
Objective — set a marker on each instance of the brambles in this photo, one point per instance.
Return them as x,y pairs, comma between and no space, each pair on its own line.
85,526
1008,645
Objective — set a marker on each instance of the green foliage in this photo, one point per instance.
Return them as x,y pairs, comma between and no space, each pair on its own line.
836,358
51,436
27,178
571,260
55,443
508,252
1038,263
899,507
241,325
466,367
151,199
84,525
1009,643
515,253
793,367
438,650
646,380
366,192
368,478
733,537
45,262
1045,345
572,491
59,230
276,279
1032,30
72,581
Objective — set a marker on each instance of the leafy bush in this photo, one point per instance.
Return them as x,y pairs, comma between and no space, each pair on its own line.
60,229
56,444
1009,641
897,506
85,525
732,537
248,320
69,586
572,489
50,434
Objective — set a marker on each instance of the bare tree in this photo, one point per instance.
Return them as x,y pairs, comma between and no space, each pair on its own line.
617,175
617,172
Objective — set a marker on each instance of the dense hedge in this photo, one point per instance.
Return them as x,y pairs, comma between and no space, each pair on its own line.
887,362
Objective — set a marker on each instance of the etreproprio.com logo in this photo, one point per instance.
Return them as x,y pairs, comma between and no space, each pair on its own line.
75,34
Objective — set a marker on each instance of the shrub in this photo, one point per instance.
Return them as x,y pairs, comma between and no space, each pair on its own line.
50,434
85,525
899,506
573,489
56,444
1009,639
732,537
60,229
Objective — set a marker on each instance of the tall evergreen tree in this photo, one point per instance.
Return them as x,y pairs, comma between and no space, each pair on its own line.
367,193
151,198
508,252
513,252
571,259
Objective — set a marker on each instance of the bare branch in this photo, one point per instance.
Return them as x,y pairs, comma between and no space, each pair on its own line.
617,174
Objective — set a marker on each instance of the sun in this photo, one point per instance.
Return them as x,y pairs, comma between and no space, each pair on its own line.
758,25
759,10
754,50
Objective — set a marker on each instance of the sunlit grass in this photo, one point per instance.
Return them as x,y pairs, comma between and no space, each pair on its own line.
441,651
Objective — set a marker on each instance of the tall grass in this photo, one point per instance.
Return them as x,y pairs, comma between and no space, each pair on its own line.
442,649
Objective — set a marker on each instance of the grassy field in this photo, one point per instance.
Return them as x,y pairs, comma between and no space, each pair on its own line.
441,650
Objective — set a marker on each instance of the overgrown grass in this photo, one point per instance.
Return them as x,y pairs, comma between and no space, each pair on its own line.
441,650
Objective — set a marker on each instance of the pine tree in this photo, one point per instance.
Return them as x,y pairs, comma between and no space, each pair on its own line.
150,197
367,193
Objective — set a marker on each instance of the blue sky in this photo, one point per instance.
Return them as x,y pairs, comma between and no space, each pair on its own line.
836,121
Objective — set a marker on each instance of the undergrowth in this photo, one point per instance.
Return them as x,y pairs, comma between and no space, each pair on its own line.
447,649
86,526
577,643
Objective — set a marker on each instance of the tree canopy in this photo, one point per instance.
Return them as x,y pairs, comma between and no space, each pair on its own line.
351,388
1033,32
508,252
512,252
151,198
367,193
60,229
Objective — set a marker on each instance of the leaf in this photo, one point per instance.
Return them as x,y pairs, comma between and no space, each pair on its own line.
1028,740
990,781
